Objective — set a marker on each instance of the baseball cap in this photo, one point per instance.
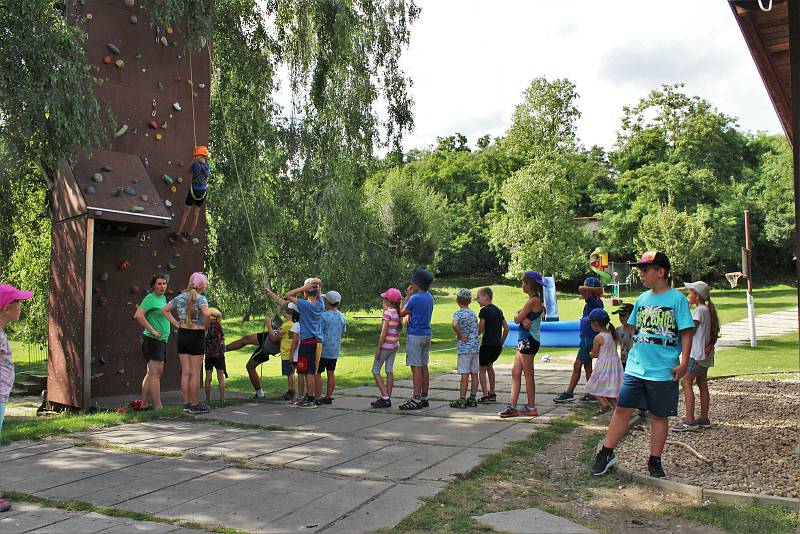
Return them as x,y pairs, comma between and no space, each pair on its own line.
653,257
423,278
535,276
592,281
701,287
198,280
292,306
333,297
9,294
464,294
392,295
625,309
314,288
599,315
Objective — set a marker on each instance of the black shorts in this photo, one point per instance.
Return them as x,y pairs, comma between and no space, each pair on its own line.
191,341
154,349
528,346
287,367
327,365
307,357
192,201
489,354
217,363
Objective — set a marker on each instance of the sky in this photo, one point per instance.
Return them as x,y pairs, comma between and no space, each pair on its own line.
470,61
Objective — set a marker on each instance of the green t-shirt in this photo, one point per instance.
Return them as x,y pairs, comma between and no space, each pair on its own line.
152,305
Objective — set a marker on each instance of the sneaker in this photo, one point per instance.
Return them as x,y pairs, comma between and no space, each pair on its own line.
5,506
509,411
530,411
410,404
198,409
187,408
484,400
287,396
603,462
564,397
655,469
302,403
472,402
173,238
381,403
492,397
459,403
326,400
686,426
309,403
318,402
703,422
424,403
185,236
256,396
587,398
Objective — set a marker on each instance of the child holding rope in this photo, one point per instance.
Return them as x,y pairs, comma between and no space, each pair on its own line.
201,172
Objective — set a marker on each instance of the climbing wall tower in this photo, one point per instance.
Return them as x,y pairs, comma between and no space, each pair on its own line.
112,212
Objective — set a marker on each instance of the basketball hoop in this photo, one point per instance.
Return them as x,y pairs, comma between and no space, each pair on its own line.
733,278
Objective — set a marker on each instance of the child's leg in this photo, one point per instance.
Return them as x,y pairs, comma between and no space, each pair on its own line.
462,390
658,434
490,376
221,380
705,396
252,372
318,384
516,378
612,401
389,383
426,380
618,426
185,376
331,384
301,386
576,375
483,379
290,382
474,384
184,216
252,339
688,395
587,368
196,215
602,401
530,382
209,373
380,384
416,378
196,376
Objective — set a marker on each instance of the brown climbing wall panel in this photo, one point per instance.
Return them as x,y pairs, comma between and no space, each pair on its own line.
132,204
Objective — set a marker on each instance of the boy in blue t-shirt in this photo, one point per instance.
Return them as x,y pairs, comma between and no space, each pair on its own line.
418,307
591,291
662,340
310,336
333,327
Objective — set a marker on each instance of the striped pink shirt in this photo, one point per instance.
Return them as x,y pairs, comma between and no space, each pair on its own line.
392,339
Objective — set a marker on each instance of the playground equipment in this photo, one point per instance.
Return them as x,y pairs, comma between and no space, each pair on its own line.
112,212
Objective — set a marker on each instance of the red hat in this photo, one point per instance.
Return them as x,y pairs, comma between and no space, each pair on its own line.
9,294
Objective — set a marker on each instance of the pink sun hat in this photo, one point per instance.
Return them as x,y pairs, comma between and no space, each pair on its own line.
9,294
392,295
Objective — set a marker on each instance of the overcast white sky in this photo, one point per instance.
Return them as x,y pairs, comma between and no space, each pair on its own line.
471,59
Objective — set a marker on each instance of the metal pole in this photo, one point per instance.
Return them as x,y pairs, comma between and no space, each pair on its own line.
794,61
751,313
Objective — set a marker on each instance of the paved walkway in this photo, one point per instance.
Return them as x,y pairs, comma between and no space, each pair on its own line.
777,323
340,468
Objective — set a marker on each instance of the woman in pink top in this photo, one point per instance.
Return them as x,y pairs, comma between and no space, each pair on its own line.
388,344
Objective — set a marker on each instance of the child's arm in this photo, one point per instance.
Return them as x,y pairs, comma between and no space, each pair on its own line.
206,314
295,344
274,296
481,327
598,342
457,330
686,348
382,338
403,310
522,314
166,310
274,336
291,296
505,332
142,320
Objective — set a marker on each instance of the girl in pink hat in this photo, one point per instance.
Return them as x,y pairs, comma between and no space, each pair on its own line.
388,343
10,308
194,317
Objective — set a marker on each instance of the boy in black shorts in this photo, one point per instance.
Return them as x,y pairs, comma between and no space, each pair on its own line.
494,328
215,355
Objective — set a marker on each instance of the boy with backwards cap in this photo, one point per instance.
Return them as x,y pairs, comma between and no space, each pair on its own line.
333,327
662,326
310,336
591,291
418,307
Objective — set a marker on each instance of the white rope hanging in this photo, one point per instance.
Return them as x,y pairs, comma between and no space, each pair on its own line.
761,5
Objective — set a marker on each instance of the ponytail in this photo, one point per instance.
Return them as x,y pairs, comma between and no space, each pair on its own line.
396,306
714,334
190,304
612,331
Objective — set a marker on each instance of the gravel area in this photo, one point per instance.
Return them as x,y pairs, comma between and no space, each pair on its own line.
755,429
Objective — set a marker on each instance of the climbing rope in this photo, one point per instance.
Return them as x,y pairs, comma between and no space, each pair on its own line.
761,5
191,90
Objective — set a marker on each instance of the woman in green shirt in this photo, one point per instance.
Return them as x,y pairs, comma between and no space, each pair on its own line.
154,341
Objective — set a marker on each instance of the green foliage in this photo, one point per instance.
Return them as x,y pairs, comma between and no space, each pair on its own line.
197,15
774,196
46,111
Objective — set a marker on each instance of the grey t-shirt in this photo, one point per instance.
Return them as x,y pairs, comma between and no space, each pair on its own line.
180,302
702,334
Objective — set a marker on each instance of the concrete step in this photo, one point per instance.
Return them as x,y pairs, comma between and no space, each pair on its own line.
29,387
32,377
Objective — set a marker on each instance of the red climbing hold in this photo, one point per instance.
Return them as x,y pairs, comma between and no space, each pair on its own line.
124,265
106,59
135,289
153,125
178,78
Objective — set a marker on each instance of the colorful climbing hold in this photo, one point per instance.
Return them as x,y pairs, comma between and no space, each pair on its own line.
167,203
106,59
114,49
176,254
119,191
163,40
164,125
144,198
167,179
97,177
153,125
169,30
130,3
134,289
137,209
102,301
138,55
89,16
201,85
180,179
154,253
106,168
130,191
103,276
172,266
159,137
98,213
173,189
121,372
90,190
195,241
119,63
160,86
124,265
119,133
176,106
134,19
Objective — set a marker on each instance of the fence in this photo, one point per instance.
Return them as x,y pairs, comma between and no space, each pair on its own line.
36,353
623,273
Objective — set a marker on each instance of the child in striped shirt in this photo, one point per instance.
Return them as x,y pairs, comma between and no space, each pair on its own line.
388,343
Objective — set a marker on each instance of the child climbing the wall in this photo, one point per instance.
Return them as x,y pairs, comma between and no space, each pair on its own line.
333,327
706,333
607,375
465,325
529,319
215,355
388,343
492,325
201,171
10,309
418,307
591,291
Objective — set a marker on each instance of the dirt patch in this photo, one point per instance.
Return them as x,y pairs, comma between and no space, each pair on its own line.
562,482
755,428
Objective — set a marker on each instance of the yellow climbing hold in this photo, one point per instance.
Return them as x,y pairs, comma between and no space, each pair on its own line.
159,137
169,29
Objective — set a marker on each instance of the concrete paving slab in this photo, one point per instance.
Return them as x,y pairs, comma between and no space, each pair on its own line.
396,462
266,413
257,444
460,463
324,453
483,412
89,523
25,517
399,392
388,509
30,448
439,430
171,436
361,404
513,432
531,521
348,422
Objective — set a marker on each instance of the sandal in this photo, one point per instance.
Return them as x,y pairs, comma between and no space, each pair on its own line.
472,402
459,403
492,397
484,400
411,404
602,411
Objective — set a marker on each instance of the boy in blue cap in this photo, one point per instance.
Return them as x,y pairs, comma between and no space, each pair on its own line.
591,291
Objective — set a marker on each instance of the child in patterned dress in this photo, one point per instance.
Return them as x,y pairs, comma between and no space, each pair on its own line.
608,372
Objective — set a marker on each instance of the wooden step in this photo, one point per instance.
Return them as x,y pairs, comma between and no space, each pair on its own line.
29,387
32,377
